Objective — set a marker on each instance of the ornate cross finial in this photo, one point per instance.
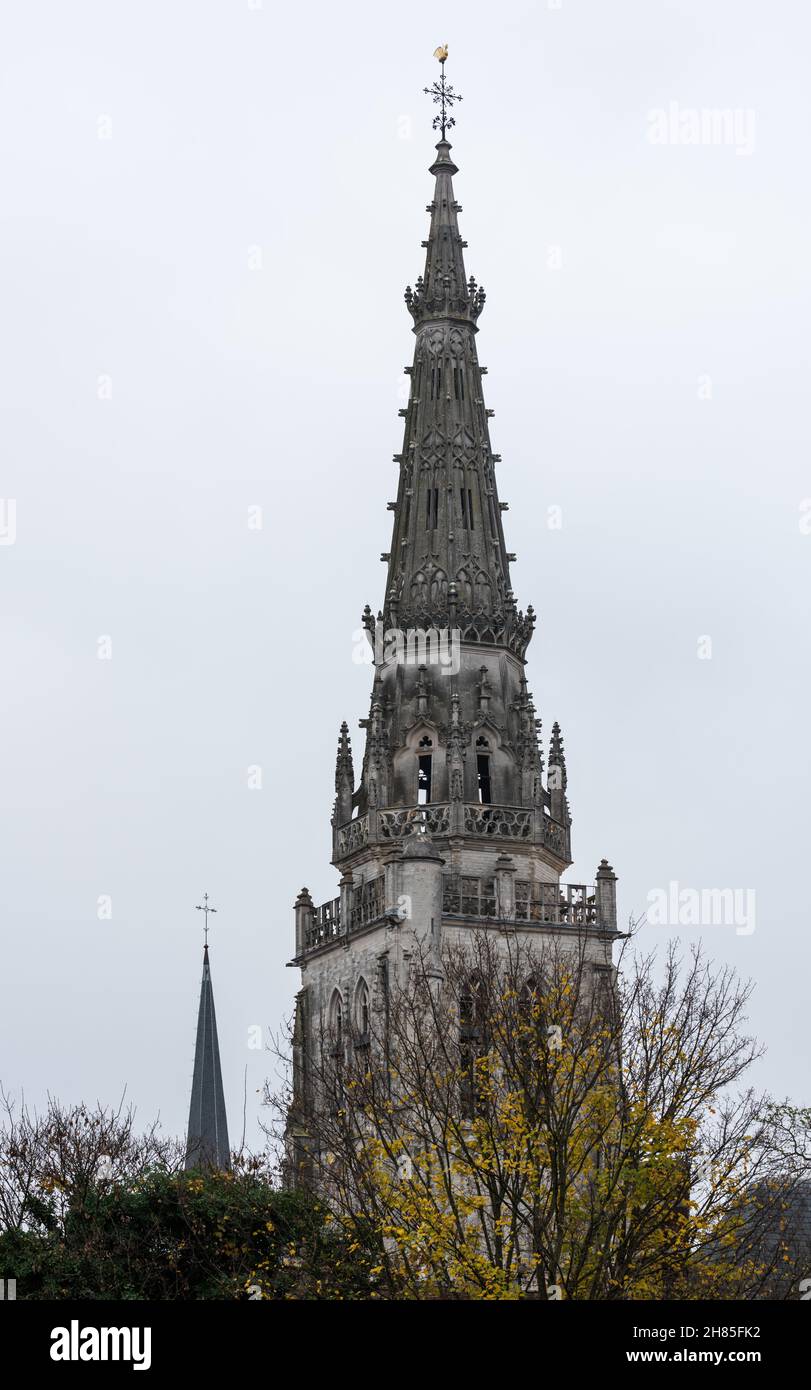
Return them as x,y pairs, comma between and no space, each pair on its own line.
443,94
204,907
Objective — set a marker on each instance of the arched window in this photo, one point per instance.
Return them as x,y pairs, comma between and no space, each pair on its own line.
483,781
335,1074
439,586
362,1010
482,591
471,1008
472,1045
419,587
529,997
336,1022
465,588
526,1031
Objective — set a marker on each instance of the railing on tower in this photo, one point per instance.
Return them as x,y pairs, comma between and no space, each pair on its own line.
325,925
473,898
368,902
570,904
504,822
482,821
550,904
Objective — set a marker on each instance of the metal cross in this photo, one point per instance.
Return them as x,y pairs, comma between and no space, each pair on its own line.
204,907
443,94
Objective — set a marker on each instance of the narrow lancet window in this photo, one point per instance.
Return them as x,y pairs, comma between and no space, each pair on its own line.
483,771
466,504
424,780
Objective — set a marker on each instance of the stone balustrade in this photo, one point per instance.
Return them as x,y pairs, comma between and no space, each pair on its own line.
501,897
549,904
477,820
324,924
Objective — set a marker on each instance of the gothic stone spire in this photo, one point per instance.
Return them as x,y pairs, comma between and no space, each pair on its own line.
448,565
452,826
464,736
207,1139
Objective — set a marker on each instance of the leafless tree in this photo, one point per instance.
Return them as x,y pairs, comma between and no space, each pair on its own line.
50,1161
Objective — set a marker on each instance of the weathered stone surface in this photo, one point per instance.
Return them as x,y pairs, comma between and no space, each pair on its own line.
451,721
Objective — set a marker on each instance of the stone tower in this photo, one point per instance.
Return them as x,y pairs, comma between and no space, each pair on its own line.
454,823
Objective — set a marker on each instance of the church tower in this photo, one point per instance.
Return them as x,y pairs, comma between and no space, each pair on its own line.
454,822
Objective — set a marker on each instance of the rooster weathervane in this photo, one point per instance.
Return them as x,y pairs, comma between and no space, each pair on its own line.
443,94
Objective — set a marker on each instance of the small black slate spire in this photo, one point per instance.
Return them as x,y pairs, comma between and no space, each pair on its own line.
207,1138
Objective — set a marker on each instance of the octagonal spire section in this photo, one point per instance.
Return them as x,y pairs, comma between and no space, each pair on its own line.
448,566
442,291
207,1138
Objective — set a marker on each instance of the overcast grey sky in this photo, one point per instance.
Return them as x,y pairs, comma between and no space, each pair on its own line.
209,214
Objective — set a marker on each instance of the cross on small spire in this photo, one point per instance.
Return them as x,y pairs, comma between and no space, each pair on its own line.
204,907
443,94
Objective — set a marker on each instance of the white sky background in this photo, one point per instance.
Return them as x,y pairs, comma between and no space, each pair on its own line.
282,128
